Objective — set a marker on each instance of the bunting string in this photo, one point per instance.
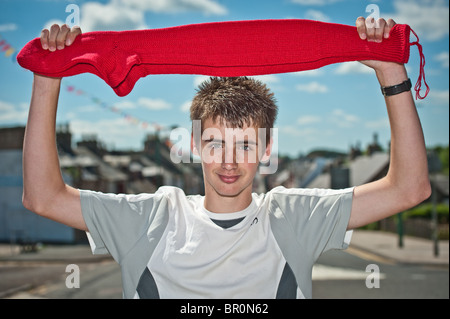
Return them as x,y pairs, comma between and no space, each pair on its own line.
7,49
128,117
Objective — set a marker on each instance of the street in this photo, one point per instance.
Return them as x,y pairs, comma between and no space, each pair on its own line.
337,274
396,280
98,280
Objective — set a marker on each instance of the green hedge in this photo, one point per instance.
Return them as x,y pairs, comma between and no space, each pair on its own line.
425,211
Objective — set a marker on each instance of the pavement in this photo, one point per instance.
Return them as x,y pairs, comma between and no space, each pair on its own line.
51,253
379,244
416,251
372,245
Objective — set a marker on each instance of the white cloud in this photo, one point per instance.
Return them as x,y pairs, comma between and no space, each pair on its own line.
114,16
312,87
308,119
186,106
428,18
353,67
110,16
117,15
10,113
306,133
317,15
343,119
207,7
443,58
378,124
154,104
125,105
8,27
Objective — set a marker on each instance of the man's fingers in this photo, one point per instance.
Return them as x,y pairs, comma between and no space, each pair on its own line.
389,25
379,30
361,27
370,28
61,37
374,30
58,37
54,30
73,33
44,38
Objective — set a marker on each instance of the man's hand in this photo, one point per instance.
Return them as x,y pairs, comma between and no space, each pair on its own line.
58,37
388,73
374,31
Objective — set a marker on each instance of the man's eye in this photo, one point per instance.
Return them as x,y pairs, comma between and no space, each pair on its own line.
215,145
246,147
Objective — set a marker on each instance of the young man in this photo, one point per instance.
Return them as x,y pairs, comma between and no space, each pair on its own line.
229,243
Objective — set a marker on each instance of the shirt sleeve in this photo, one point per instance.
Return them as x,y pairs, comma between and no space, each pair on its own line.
116,222
319,218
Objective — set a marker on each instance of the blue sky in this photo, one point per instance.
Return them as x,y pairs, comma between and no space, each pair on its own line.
334,107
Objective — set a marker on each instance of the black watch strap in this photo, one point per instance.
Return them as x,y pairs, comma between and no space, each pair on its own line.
396,89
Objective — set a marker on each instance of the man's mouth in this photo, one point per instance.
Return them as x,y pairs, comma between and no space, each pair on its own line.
229,179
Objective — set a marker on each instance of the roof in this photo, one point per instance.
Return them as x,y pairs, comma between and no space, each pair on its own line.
106,171
441,182
365,169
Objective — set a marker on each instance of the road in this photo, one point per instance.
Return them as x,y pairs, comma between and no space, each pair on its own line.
338,274
98,280
343,275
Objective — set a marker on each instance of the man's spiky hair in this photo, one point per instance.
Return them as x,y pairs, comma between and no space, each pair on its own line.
236,101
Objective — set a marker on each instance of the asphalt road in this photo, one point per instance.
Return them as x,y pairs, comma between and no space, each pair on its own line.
338,274
350,274
97,280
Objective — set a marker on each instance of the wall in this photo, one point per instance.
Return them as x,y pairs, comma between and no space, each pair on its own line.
16,222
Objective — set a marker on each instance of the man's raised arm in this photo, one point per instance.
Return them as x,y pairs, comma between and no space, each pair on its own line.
407,183
44,191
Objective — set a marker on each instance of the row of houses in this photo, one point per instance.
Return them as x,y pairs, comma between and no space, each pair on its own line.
90,165
94,167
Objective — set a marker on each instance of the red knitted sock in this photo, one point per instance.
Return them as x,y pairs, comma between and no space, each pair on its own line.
218,49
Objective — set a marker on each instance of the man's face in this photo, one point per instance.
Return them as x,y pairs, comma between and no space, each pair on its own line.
230,158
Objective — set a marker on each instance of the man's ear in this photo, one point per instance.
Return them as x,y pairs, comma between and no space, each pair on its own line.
194,148
265,156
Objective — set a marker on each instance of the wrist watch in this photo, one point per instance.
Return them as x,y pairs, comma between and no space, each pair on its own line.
396,89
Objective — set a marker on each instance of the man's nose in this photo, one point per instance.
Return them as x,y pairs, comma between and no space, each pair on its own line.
229,157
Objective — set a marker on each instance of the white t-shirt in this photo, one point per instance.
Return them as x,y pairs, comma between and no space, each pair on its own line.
170,246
